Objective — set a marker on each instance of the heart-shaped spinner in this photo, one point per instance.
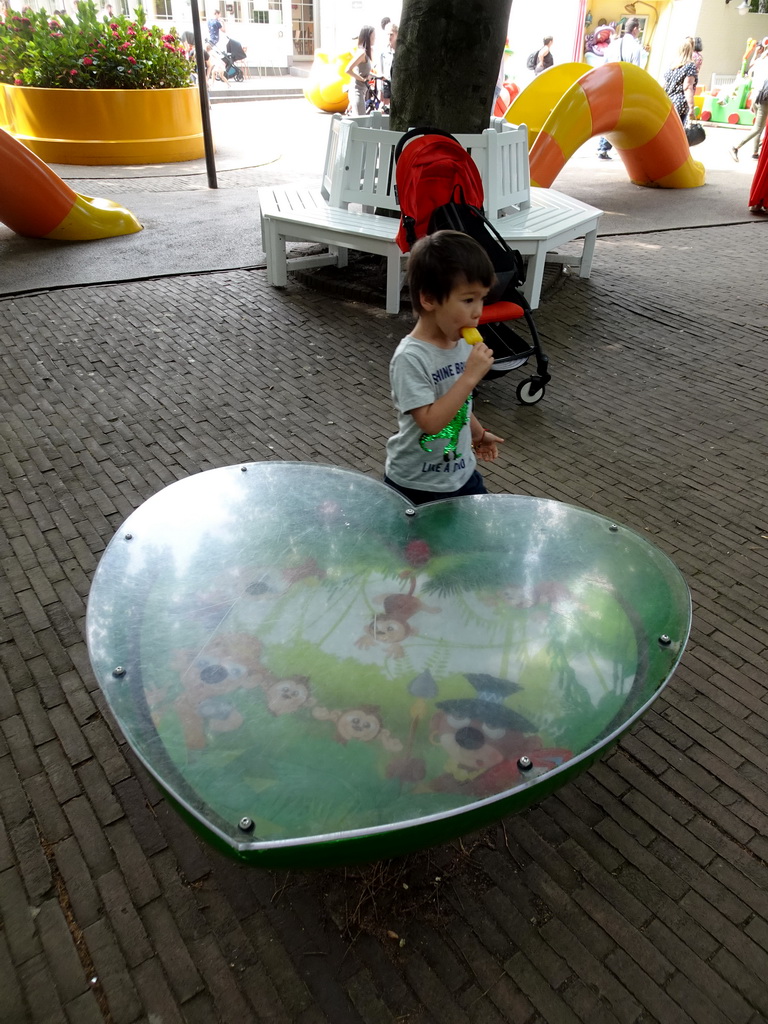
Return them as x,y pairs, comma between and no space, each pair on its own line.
316,673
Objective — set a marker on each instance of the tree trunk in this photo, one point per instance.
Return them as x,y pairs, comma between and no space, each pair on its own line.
447,63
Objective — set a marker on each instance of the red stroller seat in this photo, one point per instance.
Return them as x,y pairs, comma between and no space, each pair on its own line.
439,186
511,349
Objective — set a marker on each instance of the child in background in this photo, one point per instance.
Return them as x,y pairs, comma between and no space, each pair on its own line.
434,372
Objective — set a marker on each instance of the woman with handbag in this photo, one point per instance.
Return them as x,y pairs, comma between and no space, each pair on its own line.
680,81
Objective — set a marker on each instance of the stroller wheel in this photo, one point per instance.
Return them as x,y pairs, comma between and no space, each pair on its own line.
239,77
530,391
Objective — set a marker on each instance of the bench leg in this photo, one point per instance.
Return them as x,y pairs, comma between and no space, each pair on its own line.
394,283
585,267
535,276
340,253
274,247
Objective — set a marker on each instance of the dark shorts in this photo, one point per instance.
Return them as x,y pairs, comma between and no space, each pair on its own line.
475,485
386,89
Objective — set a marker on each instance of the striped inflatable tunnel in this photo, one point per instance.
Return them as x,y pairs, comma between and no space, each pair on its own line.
34,201
622,102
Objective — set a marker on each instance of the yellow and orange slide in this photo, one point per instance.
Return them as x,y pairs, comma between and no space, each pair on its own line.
571,103
34,201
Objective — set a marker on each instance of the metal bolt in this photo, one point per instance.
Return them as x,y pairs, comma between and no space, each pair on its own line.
118,672
129,536
245,824
243,469
524,763
665,640
613,528
410,511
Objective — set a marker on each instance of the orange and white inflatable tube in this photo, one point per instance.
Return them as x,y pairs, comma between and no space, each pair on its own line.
622,102
34,201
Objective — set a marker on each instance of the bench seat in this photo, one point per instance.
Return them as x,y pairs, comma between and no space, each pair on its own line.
291,214
302,215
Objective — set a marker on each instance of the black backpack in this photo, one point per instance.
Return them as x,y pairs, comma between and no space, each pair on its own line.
459,215
532,60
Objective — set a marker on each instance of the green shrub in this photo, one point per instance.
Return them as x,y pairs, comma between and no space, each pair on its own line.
57,52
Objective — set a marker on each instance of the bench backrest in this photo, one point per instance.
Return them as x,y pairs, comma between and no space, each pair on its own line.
334,155
360,164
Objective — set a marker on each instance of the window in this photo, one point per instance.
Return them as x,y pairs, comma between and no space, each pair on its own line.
303,27
163,11
261,14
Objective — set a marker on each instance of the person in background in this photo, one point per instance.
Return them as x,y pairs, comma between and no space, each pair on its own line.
386,60
626,47
188,42
622,48
759,107
360,69
214,28
697,57
214,65
758,194
544,59
757,54
680,81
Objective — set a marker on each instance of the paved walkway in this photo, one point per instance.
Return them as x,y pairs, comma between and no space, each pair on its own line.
636,894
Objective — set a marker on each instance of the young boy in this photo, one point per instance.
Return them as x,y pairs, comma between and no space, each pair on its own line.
434,372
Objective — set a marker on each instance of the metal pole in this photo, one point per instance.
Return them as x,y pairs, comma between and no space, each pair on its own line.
202,85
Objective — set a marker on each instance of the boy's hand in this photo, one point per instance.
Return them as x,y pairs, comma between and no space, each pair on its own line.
480,361
488,448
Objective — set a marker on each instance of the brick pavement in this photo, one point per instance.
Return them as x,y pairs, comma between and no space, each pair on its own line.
637,894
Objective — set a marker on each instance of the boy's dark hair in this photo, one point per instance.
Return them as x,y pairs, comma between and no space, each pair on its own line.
440,260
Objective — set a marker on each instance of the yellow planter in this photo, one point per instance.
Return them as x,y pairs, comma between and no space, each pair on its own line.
100,127
4,119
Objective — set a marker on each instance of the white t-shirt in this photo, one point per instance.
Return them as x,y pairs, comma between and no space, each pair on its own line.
419,374
627,49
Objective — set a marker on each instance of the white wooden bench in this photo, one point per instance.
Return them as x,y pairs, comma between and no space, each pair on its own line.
359,178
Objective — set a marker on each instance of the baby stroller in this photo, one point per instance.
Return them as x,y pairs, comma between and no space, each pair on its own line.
372,99
438,186
232,73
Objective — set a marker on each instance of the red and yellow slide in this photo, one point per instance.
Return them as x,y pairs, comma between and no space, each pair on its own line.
572,103
34,201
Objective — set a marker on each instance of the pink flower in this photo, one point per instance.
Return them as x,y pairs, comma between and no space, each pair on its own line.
131,60
87,60
17,81
168,39
131,32
73,71
124,46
